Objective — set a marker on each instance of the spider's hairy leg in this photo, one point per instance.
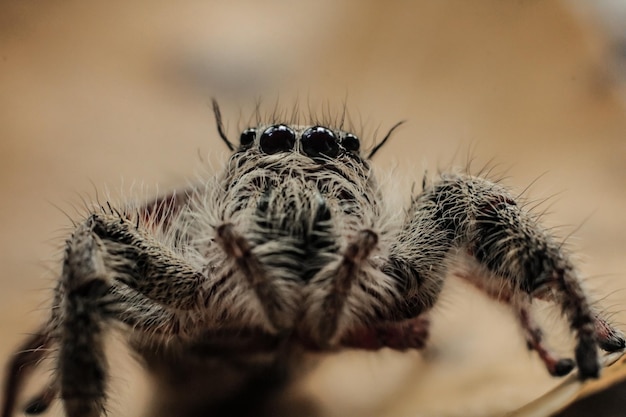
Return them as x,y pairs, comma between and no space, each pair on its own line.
417,263
155,213
113,271
515,256
32,350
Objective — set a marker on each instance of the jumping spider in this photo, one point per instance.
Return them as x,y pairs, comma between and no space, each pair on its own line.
220,288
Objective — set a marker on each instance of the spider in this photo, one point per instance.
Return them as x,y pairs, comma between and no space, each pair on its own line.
222,287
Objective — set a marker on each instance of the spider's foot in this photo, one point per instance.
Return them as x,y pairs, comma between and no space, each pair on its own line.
41,402
587,359
562,367
36,406
612,344
609,338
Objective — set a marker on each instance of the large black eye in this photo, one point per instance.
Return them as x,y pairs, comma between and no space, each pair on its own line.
351,142
319,140
277,138
247,138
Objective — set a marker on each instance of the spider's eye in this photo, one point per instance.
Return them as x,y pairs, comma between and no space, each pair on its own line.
351,142
247,138
277,138
319,140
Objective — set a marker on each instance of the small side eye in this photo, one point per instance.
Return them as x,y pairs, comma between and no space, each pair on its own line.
247,138
351,142
277,138
319,140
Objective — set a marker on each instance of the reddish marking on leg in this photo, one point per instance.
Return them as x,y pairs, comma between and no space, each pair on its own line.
408,334
609,338
556,366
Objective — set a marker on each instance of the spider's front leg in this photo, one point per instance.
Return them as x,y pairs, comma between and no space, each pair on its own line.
113,271
514,260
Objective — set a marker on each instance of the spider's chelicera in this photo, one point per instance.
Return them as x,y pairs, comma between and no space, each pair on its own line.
220,288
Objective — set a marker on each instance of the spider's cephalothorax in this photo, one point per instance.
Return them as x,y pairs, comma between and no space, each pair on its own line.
292,248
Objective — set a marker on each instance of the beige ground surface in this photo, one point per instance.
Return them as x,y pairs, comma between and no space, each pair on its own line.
97,94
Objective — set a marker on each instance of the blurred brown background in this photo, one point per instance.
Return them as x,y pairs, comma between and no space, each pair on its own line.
97,95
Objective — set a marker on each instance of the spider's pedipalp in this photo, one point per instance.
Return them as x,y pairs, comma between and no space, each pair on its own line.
240,251
342,279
